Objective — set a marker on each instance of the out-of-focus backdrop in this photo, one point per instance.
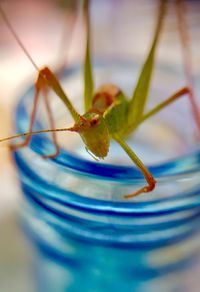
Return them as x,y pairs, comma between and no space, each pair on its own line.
45,28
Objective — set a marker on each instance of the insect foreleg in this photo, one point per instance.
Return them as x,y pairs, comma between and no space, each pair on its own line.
148,176
158,108
32,119
47,79
52,125
40,86
54,84
180,93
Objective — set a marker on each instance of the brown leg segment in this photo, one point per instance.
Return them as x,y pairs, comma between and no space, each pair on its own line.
40,86
144,170
27,140
52,125
47,79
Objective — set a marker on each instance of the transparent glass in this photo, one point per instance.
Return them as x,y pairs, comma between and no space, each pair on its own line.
85,235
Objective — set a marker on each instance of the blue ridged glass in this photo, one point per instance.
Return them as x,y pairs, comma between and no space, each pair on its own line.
85,236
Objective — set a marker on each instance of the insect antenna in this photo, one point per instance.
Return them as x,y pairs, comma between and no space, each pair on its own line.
187,60
67,39
15,35
71,129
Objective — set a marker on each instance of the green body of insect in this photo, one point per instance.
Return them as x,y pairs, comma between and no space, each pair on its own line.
109,114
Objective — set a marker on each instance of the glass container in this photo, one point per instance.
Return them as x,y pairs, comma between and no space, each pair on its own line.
85,235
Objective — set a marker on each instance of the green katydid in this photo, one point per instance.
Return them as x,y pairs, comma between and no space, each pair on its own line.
109,114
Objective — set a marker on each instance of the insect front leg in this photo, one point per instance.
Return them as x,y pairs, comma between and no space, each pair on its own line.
180,93
54,84
148,176
32,117
52,125
40,86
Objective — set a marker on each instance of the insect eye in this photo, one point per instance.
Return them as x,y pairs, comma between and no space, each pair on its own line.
94,122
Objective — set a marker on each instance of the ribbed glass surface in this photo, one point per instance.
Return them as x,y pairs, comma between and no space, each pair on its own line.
87,237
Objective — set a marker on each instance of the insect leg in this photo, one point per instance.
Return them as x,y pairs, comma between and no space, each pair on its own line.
180,93
148,176
32,118
52,125
40,85
162,105
52,81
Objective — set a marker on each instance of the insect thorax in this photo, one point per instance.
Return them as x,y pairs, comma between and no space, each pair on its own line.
105,97
110,101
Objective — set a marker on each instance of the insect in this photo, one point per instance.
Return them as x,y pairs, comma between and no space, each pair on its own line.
109,113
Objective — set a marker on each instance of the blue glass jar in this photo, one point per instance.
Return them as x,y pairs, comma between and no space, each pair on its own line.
86,237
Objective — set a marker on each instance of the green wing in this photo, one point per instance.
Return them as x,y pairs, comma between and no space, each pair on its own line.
88,75
138,101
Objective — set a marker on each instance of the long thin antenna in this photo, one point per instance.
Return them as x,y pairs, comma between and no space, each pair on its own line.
187,59
71,129
67,38
9,25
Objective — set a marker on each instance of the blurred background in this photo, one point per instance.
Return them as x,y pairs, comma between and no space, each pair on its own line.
53,33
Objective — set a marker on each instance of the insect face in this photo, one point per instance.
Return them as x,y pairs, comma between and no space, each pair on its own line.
96,136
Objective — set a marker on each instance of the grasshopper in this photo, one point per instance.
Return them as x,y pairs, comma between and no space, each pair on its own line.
109,113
